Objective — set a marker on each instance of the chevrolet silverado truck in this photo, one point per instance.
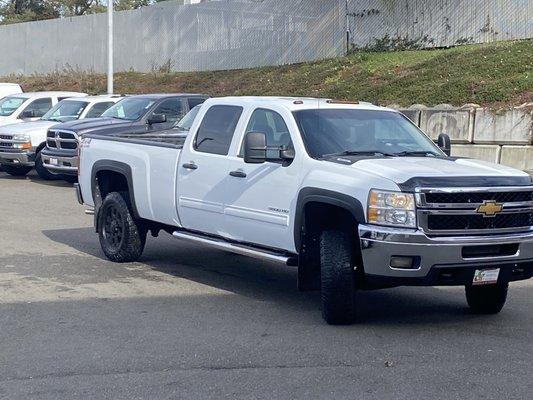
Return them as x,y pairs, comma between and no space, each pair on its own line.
354,195
141,115
21,144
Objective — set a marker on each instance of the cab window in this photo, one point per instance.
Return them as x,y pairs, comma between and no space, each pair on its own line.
273,126
98,109
217,129
39,106
171,108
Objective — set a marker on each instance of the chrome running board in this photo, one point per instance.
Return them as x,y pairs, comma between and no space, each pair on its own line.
233,247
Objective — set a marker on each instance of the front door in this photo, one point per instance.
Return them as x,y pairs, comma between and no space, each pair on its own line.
259,197
203,171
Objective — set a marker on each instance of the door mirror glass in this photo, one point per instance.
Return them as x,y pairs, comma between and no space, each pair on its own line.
255,148
157,119
445,144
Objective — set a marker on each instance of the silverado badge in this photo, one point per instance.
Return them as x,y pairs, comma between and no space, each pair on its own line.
490,208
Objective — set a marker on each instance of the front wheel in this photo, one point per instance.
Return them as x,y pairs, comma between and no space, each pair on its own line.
42,171
488,299
69,178
337,277
16,171
122,237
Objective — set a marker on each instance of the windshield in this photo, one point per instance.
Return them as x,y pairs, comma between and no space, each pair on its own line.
8,105
129,109
66,110
330,132
186,122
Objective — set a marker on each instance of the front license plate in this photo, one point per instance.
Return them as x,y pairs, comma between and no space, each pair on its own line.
486,276
53,161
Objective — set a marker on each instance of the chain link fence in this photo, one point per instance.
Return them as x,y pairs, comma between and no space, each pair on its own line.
386,24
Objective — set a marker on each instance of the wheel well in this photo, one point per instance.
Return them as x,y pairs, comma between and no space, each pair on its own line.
111,181
318,217
40,147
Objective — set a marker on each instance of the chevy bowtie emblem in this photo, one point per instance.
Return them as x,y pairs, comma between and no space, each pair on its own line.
490,208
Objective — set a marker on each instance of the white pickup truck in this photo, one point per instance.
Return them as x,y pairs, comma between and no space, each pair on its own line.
354,195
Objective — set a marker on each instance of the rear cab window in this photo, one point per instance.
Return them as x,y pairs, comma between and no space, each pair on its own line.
215,134
98,109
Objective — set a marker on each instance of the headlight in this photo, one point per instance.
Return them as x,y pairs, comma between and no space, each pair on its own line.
391,208
21,138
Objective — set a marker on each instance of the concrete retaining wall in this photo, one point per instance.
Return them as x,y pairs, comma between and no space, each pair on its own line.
500,136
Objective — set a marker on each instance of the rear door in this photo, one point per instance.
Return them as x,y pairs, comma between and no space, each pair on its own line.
203,170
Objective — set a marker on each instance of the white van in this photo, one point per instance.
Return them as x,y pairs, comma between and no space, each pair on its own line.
9,88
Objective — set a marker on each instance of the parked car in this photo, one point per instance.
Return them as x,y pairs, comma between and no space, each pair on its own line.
355,195
135,115
31,106
7,89
21,144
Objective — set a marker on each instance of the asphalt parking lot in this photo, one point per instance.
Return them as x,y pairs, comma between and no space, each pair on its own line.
191,322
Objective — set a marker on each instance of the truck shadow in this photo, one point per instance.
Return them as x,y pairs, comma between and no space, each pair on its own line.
270,282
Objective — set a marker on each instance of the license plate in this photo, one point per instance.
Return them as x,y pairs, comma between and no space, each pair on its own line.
53,161
486,276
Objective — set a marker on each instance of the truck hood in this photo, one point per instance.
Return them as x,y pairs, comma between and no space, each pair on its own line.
9,120
402,169
27,127
91,124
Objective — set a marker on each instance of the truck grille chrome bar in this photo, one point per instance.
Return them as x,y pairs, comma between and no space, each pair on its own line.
461,211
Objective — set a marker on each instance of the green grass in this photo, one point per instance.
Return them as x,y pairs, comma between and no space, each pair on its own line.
496,74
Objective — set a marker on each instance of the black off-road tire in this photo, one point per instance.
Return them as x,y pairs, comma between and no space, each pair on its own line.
42,171
337,277
488,299
122,237
16,171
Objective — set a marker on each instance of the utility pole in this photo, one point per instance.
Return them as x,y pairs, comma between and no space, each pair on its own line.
109,46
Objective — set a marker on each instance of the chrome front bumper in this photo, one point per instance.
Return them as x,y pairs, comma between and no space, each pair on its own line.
22,159
60,164
379,244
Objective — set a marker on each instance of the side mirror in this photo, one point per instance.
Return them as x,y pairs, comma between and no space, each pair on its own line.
255,148
157,119
287,154
27,114
445,144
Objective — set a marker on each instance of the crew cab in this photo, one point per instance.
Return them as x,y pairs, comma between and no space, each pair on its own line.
354,195
136,115
30,106
21,144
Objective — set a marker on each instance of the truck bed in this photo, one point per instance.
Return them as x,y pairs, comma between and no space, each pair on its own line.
152,158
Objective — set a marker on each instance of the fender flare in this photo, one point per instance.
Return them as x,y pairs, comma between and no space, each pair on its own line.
114,166
317,195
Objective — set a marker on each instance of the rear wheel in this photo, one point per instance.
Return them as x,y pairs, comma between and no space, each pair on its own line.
16,171
42,171
337,277
488,299
122,237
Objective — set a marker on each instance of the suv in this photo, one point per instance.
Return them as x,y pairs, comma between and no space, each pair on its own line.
30,106
21,144
135,115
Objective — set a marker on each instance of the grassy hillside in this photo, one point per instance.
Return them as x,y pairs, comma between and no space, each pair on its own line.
498,74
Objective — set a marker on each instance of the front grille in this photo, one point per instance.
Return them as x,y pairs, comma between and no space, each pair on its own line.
6,137
459,211
464,222
477,197
56,139
6,144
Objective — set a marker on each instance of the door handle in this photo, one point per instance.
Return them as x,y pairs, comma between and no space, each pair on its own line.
190,165
238,174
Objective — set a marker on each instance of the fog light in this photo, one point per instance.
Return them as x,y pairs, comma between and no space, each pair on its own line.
403,262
